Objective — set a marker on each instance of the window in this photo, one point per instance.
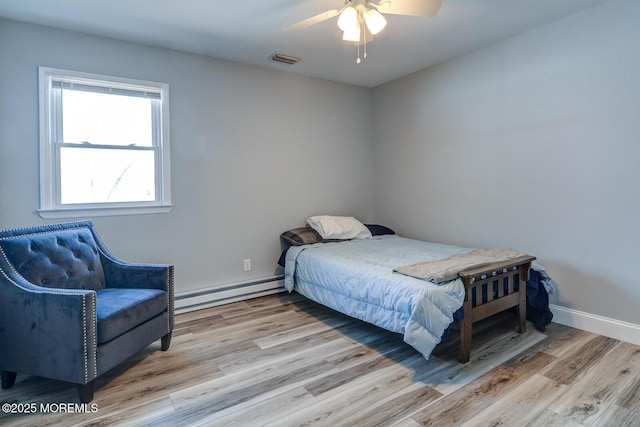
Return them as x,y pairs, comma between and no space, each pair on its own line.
104,145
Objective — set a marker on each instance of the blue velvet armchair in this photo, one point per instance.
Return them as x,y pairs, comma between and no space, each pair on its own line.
70,310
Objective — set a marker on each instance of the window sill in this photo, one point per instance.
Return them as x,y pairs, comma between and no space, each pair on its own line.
83,212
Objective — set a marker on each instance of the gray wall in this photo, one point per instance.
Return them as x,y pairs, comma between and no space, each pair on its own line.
531,143
254,152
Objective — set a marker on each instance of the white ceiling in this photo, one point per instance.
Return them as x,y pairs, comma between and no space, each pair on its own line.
250,31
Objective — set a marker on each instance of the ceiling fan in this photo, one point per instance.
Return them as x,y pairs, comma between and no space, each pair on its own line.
360,20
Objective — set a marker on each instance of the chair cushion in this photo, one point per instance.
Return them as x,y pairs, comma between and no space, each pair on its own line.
119,310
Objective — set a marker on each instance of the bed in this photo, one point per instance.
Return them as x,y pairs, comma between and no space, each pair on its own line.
356,277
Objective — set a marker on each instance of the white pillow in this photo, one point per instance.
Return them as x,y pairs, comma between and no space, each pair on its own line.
339,227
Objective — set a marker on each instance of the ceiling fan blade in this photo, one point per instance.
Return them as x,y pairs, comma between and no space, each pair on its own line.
410,7
313,20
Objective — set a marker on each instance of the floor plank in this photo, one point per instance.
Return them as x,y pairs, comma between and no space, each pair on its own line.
611,380
465,403
524,404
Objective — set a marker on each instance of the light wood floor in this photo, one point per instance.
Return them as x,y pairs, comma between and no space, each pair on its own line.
284,361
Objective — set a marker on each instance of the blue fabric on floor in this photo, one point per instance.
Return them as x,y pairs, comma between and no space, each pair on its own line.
538,302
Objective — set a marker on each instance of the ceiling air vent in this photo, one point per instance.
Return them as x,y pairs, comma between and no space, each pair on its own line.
285,59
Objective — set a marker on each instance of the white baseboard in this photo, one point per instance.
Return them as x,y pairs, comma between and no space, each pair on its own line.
218,295
606,326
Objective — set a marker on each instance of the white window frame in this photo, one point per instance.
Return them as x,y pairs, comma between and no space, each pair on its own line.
50,144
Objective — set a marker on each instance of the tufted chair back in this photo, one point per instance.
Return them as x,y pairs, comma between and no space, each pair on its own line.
66,259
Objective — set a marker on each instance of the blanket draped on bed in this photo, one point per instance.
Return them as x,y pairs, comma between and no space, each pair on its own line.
446,269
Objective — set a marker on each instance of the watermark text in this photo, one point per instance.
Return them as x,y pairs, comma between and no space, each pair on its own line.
49,408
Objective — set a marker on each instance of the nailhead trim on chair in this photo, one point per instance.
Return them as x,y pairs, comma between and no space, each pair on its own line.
103,249
84,339
95,339
170,299
86,346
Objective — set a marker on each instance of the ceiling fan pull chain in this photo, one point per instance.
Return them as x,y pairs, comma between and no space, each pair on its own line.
358,47
364,36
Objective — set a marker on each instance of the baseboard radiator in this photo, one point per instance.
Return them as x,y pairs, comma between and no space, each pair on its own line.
218,295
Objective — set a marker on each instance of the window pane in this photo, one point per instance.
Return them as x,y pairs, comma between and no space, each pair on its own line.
92,175
100,118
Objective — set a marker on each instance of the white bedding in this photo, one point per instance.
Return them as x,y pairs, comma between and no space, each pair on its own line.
356,278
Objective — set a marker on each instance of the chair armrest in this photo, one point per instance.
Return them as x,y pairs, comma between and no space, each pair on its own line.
121,274
47,332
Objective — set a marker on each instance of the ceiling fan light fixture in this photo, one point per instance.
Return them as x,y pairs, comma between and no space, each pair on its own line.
360,20
348,19
375,21
352,34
